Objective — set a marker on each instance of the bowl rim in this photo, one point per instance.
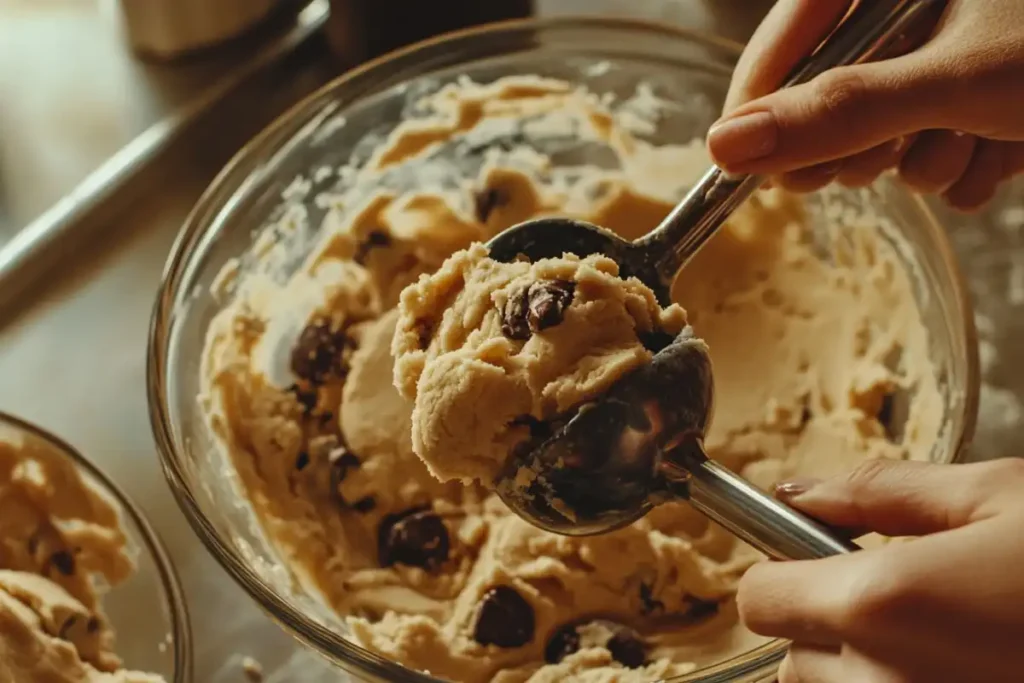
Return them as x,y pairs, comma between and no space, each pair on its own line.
181,629
195,235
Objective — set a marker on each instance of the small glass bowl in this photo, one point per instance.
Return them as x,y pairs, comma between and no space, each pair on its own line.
336,124
146,611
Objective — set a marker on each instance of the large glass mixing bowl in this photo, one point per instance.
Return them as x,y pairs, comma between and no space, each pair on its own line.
338,124
147,611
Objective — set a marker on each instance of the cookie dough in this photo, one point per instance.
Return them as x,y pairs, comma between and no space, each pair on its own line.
819,363
57,536
484,350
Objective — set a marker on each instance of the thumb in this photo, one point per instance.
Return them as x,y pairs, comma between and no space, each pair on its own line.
840,113
905,498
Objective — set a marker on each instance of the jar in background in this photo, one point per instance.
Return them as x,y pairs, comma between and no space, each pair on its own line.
359,30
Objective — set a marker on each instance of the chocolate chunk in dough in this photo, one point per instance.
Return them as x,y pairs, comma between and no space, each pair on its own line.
892,414
486,201
562,643
548,300
504,618
425,332
514,323
377,239
625,645
63,561
649,603
321,352
341,460
655,341
537,307
698,609
416,537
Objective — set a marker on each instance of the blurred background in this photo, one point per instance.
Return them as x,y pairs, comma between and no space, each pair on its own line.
115,114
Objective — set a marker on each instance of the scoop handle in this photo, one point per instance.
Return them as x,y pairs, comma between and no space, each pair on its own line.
870,31
767,524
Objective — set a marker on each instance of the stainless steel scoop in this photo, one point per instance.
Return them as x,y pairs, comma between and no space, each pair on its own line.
641,444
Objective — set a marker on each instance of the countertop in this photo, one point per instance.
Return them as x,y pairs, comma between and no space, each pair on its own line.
72,357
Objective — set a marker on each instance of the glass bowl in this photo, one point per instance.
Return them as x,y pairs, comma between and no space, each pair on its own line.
146,610
339,123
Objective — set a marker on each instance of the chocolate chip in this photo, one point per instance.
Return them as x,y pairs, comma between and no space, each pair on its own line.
66,627
341,461
698,609
548,301
655,341
892,414
64,562
626,646
93,625
514,315
504,618
562,643
364,504
486,201
375,240
424,331
321,352
343,458
306,397
416,537
301,461
805,415
648,603
535,308
540,430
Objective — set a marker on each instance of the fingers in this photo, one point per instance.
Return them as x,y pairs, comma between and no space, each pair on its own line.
937,160
804,601
811,178
808,664
992,162
903,498
903,604
872,599
842,112
978,183
1013,162
792,30
933,162
861,169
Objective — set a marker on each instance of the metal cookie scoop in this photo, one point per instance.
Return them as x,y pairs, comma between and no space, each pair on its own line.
642,443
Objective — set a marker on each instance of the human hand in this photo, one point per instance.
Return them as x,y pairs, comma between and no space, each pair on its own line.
949,114
948,606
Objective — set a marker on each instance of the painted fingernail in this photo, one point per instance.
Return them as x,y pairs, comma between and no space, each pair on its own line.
792,488
744,138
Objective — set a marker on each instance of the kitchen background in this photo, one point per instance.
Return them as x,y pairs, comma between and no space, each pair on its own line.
101,156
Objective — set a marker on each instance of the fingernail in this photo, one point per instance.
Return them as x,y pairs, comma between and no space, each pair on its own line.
744,138
786,490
